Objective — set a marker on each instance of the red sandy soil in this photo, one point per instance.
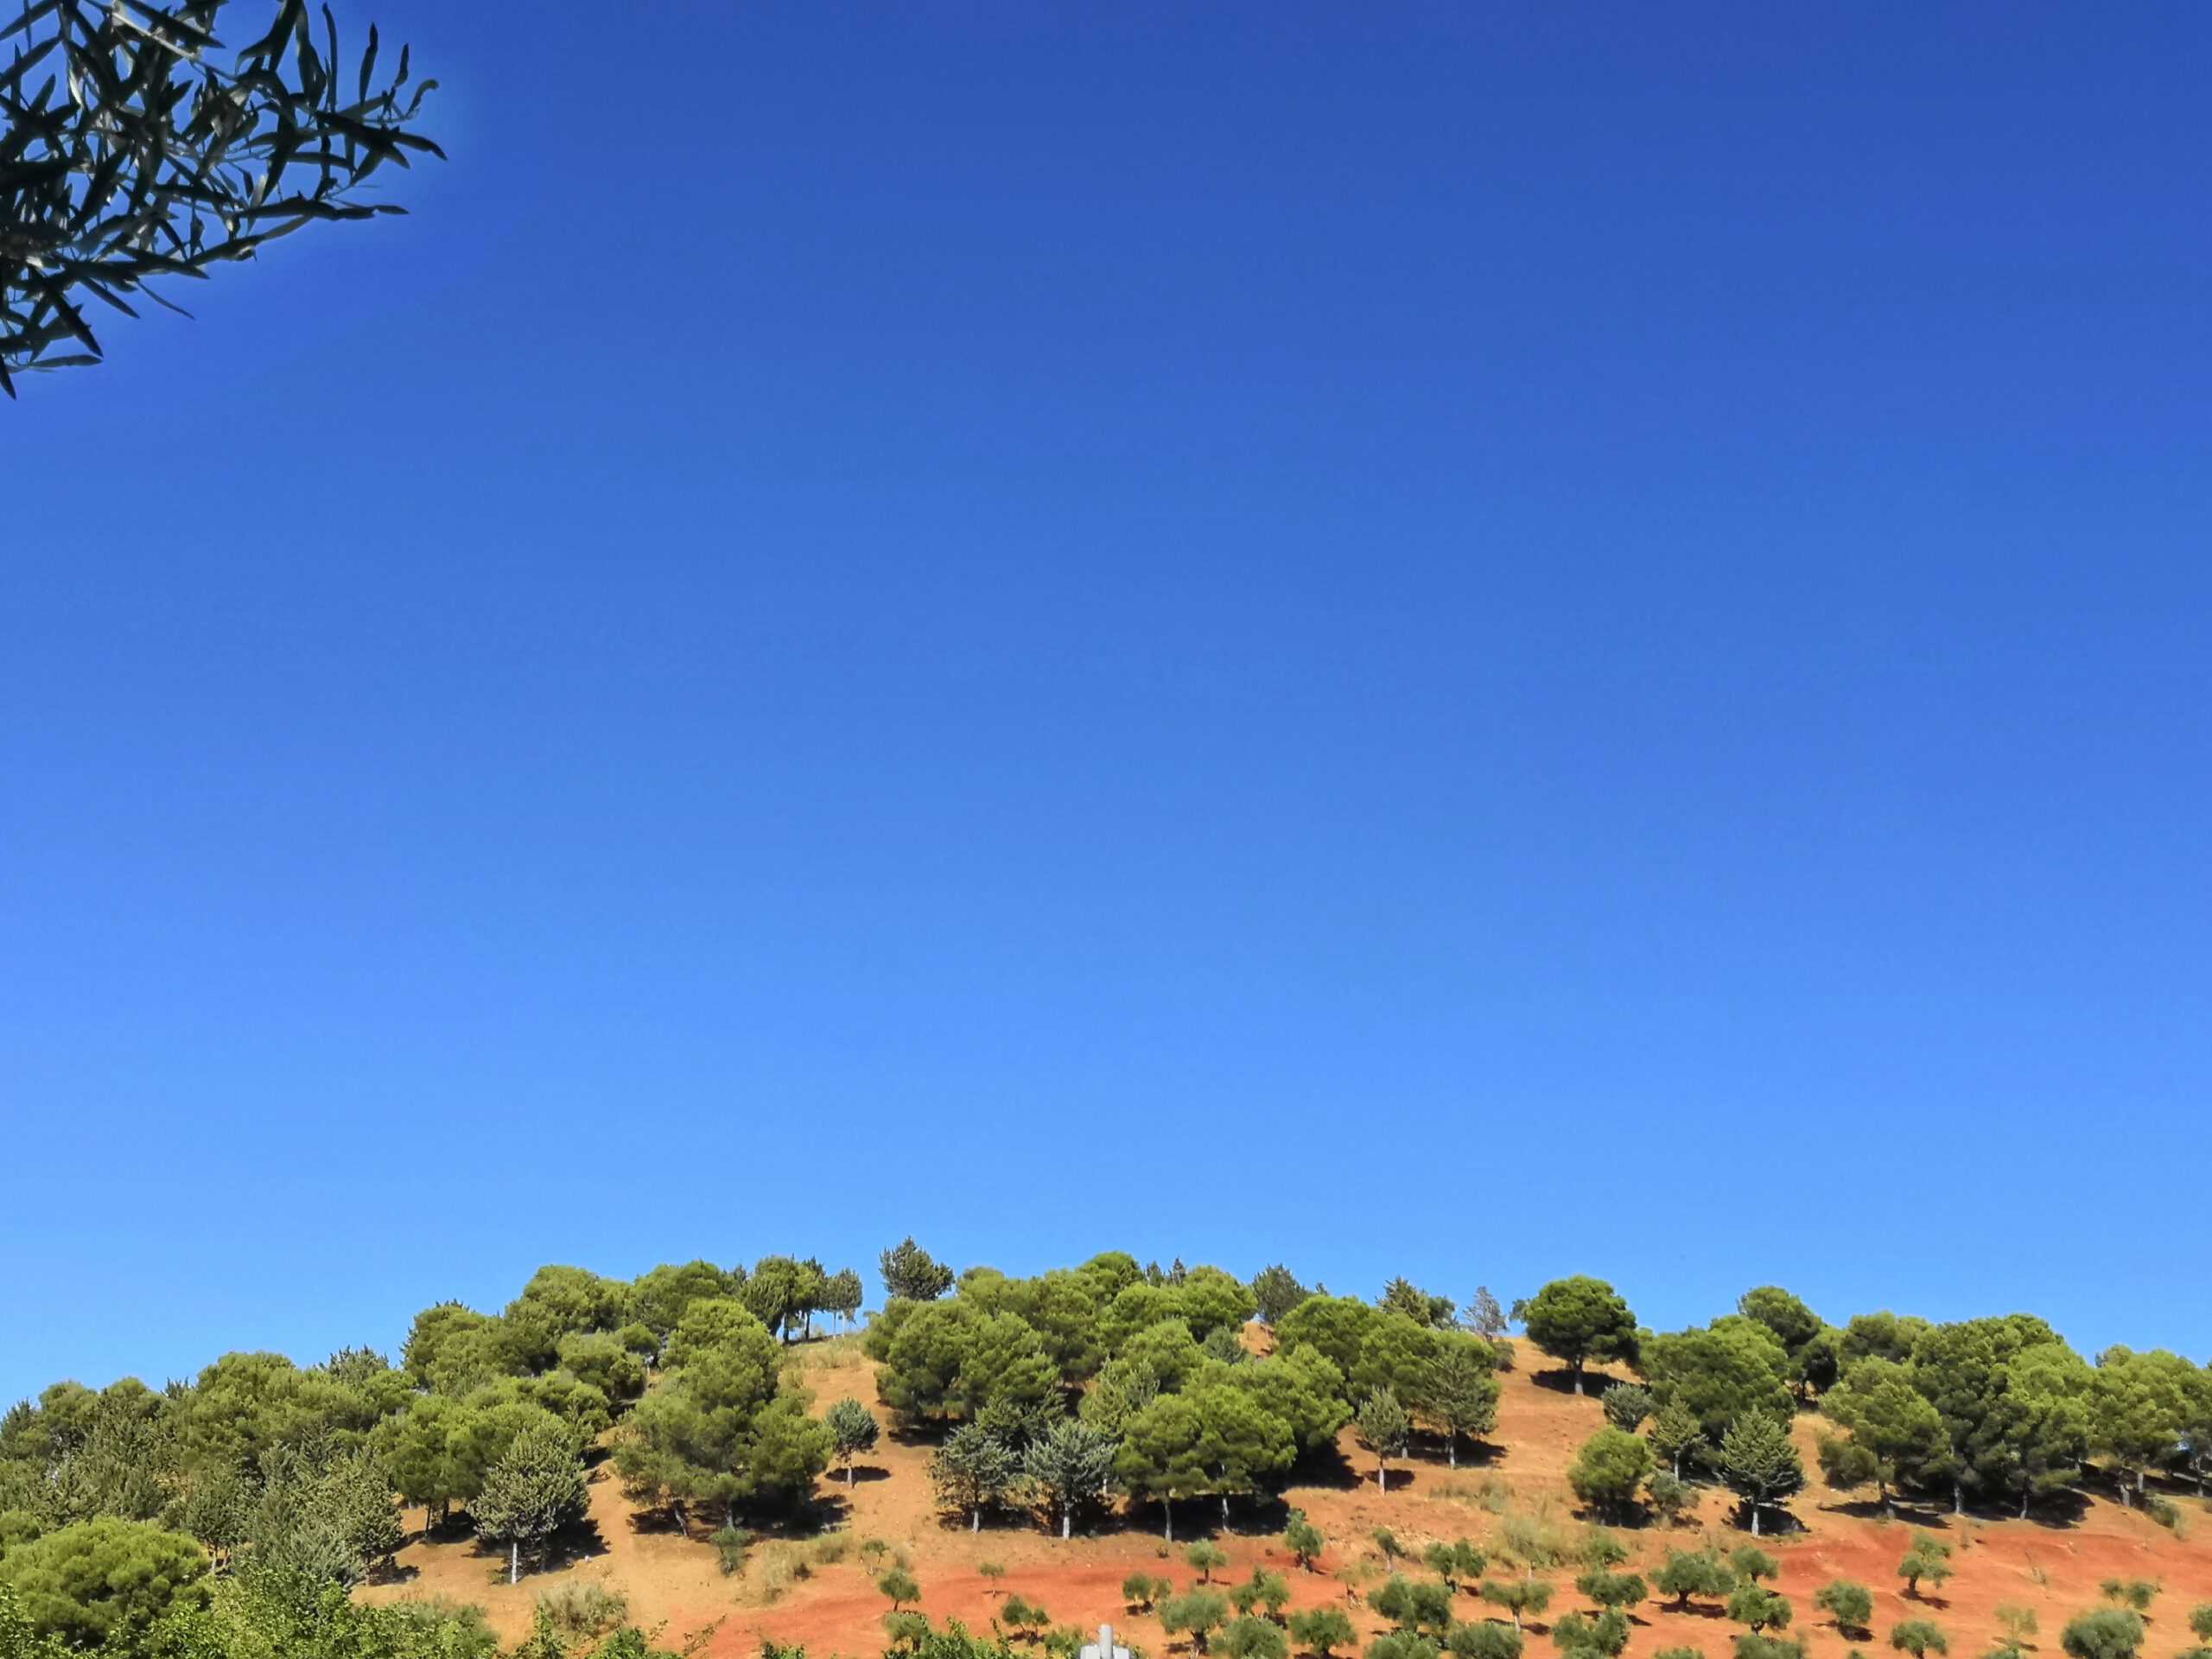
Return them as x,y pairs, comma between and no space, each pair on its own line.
674,1582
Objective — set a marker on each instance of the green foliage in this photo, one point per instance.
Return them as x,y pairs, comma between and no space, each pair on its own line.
1750,1562
87,1580
1458,1395
1919,1637
1579,1320
2137,1593
1303,1540
533,1492
899,1586
1577,1633
1521,1598
1322,1631
1927,1558
1850,1605
1760,1464
1196,1613
1277,1290
1412,1605
1670,1498
2200,1621
853,1430
1483,1639
1141,1591
1206,1559
973,1471
911,1275
1610,1470
730,1544
1722,1373
1402,1644
1677,1434
1071,1466
2108,1633
1628,1406
1335,1327
169,163
1027,1618
1760,1608
906,1627
1754,1645
1457,1563
1608,1588
1685,1574
1264,1592
1401,1296
1793,1324
1248,1637
1383,1428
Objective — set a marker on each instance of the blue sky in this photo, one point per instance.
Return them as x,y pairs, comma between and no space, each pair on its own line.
1482,641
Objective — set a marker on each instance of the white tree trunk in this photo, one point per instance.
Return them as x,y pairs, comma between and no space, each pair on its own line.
1755,1520
1451,1449
1167,1508
1067,1522
975,1519
514,1560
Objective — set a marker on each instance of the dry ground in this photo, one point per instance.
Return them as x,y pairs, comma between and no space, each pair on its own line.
835,1609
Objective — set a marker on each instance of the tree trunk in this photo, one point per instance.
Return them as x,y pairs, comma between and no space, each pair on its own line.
849,1474
1451,1449
1224,1512
1381,1476
1678,1465
975,1519
2023,1503
1958,1495
1168,1509
1067,1522
514,1560
1578,1375
1755,1519
1882,1491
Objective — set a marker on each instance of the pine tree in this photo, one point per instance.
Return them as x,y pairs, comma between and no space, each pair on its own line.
853,1430
532,1492
1383,1428
1760,1464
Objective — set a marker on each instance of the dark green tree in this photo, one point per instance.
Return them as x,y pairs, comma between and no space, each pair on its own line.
530,1493
1383,1428
911,1275
1720,1372
1071,1466
853,1430
2108,1633
1927,1558
1760,1464
1579,1320
1685,1573
1609,1472
1627,1405
1462,1393
1677,1434
1303,1540
1277,1290
974,1471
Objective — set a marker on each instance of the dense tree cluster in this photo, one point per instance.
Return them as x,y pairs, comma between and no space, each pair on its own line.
253,1497
1142,1379
230,1514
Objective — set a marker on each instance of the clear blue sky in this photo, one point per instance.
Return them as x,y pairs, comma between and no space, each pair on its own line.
1471,640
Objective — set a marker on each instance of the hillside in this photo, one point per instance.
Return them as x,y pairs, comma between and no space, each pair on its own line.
833,1608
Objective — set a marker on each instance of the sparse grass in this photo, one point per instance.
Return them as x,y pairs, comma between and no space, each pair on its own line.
584,1610
1486,1492
832,1548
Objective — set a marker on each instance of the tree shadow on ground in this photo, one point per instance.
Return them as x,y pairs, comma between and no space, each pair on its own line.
1561,1381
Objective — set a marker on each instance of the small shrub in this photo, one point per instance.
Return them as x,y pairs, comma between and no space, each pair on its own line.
1670,1497
899,1585
584,1611
910,1629
2164,1511
2135,1594
832,1547
1927,1557
1247,1638
2200,1621
730,1544
1206,1557
993,1571
1323,1630
1919,1637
